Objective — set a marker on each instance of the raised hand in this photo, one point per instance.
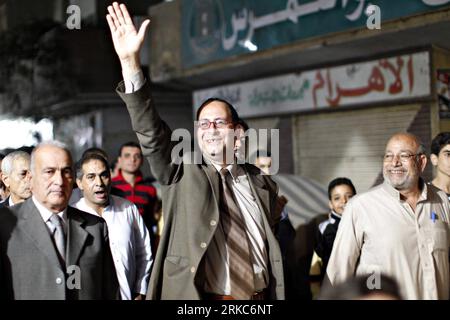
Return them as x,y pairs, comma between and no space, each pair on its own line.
127,41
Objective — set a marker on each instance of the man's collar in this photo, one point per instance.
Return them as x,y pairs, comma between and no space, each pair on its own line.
110,205
138,175
46,214
396,194
234,169
10,201
335,216
85,207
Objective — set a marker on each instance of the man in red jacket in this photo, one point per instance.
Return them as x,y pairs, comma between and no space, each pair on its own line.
135,188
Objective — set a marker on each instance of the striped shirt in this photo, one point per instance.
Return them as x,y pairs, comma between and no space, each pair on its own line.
143,195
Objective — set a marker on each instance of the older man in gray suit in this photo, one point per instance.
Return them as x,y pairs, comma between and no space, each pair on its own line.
49,250
218,239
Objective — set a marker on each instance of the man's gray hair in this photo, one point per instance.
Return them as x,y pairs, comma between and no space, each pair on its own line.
52,143
8,161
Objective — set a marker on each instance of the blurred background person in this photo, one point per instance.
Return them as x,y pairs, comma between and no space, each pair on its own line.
286,232
4,192
136,188
263,161
440,158
340,190
16,177
115,168
241,146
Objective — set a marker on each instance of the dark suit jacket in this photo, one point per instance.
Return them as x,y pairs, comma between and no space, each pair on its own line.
29,265
5,203
190,194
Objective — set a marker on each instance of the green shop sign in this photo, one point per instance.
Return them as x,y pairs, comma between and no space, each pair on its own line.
214,29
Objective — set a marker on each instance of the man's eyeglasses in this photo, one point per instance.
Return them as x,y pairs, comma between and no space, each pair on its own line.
404,157
218,123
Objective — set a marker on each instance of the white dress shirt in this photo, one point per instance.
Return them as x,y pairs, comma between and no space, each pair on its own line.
129,242
134,82
46,215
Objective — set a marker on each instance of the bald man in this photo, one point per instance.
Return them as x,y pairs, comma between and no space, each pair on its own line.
399,228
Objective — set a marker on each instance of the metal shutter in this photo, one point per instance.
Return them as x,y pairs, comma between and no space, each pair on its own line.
351,143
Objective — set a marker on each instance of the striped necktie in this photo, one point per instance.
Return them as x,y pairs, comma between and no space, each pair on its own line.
241,268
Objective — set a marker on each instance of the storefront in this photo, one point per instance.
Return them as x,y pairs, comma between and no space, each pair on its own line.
321,72
342,116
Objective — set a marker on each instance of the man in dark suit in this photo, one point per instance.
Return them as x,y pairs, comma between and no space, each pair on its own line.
51,251
196,258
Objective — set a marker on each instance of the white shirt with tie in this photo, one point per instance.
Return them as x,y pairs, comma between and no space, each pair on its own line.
47,214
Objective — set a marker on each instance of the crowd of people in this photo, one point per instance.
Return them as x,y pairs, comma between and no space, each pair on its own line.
45,183
220,239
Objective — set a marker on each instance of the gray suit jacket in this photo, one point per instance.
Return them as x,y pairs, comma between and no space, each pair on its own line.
30,268
190,194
